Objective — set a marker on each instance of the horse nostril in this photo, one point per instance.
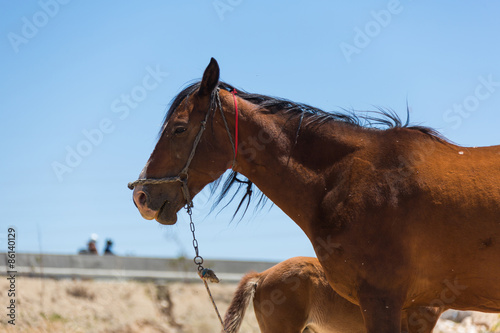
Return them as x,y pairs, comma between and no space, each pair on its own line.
140,199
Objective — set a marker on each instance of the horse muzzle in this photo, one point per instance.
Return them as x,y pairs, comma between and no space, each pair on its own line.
164,213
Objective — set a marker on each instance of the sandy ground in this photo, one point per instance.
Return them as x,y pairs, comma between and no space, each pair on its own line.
46,305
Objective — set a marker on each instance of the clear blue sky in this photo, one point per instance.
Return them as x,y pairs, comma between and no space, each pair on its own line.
67,67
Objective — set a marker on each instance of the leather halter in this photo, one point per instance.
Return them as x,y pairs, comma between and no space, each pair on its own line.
182,177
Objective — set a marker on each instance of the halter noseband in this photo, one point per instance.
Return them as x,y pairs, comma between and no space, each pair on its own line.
182,177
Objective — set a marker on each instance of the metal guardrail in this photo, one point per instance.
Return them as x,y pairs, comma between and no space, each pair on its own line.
116,267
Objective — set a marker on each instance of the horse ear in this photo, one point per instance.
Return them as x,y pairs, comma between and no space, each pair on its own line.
210,78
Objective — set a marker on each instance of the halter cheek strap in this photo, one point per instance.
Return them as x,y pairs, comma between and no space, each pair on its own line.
182,177
234,92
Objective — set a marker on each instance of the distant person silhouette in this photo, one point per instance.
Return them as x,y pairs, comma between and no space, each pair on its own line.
107,250
92,248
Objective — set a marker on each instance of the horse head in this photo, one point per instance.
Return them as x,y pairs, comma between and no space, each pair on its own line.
186,157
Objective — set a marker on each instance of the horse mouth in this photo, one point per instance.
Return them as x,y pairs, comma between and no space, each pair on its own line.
165,215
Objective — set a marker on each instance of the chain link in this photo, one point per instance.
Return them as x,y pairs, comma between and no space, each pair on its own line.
198,260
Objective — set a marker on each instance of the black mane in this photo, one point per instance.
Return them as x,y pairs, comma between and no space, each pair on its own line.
380,119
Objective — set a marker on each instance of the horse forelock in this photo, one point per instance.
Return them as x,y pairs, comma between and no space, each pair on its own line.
177,100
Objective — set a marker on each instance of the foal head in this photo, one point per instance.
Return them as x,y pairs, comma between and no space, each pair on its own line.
187,153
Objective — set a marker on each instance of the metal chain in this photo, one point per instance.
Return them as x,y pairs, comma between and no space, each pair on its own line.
198,260
204,273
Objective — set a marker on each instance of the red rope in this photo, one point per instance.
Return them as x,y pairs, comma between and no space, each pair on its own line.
234,92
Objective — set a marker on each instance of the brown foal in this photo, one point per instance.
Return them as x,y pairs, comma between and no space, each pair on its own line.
294,296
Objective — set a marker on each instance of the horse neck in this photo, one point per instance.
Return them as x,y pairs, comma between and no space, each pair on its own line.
294,172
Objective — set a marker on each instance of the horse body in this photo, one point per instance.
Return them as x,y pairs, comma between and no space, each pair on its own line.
455,236
419,204
398,201
397,217
294,296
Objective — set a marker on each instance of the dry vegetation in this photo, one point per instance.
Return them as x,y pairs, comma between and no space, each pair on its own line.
45,305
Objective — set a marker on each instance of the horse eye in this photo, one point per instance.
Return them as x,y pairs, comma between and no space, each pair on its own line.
180,130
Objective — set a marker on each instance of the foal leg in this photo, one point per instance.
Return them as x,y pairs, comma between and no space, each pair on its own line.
382,313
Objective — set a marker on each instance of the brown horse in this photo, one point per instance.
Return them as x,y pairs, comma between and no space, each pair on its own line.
398,217
294,296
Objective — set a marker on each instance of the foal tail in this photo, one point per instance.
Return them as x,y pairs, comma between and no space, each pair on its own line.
242,296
